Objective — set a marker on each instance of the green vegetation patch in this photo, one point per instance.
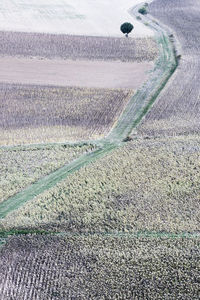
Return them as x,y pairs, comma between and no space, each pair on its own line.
143,10
147,185
122,267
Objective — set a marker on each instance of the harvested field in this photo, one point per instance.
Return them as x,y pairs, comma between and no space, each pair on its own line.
58,72
39,114
150,185
125,226
77,47
20,166
177,109
122,267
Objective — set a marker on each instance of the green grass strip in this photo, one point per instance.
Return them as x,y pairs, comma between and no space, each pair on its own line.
137,234
142,101
26,147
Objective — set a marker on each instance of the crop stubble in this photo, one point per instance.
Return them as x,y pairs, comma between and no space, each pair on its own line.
99,267
20,166
39,114
77,47
158,190
177,109
146,185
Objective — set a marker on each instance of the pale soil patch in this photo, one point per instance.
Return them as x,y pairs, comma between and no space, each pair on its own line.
102,74
79,17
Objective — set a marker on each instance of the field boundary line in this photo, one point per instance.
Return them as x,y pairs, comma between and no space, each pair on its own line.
137,234
131,235
47,145
131,116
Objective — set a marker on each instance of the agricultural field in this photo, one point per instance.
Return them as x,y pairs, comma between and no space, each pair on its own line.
177,109
20,166
36,114
122,267
115,213
88,105
57,72
147,185
51,46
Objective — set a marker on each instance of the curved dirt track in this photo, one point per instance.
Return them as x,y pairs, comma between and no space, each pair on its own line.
177,109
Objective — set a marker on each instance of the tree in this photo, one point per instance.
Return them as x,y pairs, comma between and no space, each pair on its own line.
143,10
126,28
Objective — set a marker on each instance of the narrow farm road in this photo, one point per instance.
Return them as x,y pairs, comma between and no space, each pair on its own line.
137,107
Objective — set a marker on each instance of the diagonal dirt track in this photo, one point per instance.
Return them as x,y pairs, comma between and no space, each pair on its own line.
177,109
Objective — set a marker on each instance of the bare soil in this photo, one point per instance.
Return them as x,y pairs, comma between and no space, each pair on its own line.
99,74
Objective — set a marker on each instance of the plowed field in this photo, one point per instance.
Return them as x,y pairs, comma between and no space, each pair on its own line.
177,109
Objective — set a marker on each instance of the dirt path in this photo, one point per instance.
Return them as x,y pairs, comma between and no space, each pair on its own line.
80,73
